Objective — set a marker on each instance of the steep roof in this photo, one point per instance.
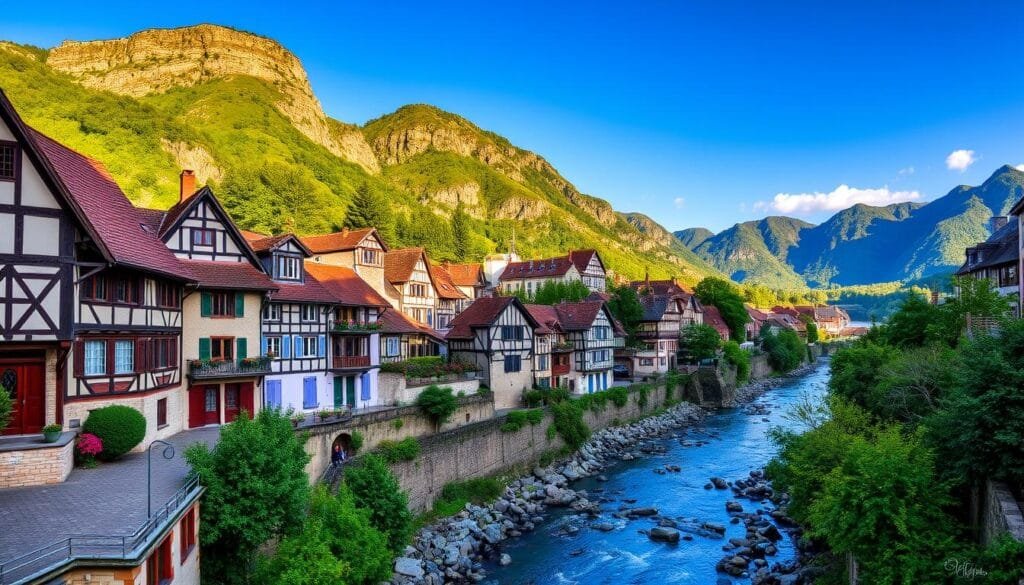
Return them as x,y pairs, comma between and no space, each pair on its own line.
655,305
661,287
230,275
345,286
756,315
308,291
546,316
262,243
123,235
827,312
482,313
446,289
466,274
579,316
1000,248
545,268
714,318
393,321
787,321
581,259
340,241
399,264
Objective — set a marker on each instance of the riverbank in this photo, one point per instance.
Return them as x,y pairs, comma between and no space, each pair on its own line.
456,548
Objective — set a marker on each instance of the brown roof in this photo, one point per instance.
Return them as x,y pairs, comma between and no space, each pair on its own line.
465,274
261,243
339,241
786,321
755,314
393,321
482,313
545,268
578,316
581,258
661,287
308,291
123,232
399,264
546,316
713,318
780,310
446,289
229,275
347,287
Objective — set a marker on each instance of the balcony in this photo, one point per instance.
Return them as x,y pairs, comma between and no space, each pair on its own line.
209,369
559,369
563,347
351,362
355,327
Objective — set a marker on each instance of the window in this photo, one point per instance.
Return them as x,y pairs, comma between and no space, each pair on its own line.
272,312
288,268
95,358
124,290
599,356
162,353
513,363
94,288
188,533
391,346
308,313
201,237
646,361
223,304
124,356
600,332
274,346
543,363
161,413
168,295
222,348
308,345
8,161
370,256
159,569
274,393
512,332
417,290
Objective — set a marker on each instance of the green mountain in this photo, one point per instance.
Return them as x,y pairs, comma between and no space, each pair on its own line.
239,110
864,244
693,237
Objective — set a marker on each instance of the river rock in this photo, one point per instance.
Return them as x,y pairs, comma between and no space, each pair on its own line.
408,567
719,483
505,560
663,534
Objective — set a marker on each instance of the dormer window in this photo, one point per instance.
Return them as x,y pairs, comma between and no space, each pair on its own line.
202,237
288,268
8,160
371,256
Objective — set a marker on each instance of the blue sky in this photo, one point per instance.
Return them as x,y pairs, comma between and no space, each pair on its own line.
695,113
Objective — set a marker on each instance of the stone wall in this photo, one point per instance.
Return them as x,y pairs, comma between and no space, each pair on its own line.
759,368
394,388
37,465
381,425
1000,513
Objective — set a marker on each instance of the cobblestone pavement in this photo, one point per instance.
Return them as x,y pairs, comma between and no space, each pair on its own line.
109,500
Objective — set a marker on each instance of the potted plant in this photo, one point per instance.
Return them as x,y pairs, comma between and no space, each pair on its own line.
325,414
339,412
297,419
51,433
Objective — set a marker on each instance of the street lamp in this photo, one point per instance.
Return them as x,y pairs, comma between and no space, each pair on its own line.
168,453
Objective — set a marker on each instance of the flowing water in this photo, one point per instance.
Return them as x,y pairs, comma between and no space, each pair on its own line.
737,443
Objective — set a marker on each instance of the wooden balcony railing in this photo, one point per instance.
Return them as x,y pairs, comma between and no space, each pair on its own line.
344,362
559,369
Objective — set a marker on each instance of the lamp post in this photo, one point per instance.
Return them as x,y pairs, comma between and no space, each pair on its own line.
168,453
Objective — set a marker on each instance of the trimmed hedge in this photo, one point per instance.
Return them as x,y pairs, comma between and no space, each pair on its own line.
120,428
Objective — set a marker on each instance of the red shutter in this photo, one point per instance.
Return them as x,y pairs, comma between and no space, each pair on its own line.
78,357
173,351
140,354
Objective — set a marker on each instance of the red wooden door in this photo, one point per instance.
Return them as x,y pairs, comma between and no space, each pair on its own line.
231,402
246,398
24,381
203,405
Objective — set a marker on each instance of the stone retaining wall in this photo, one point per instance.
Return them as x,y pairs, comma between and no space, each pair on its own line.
37,465
394,388
1000,513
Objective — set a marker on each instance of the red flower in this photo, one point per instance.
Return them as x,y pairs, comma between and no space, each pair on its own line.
89,444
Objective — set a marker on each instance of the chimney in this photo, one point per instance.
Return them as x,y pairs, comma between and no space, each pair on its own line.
188,184
998,222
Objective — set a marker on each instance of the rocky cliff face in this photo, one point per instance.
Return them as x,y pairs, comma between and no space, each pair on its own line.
156,60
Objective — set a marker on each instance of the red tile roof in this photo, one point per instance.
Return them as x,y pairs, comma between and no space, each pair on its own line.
229,275
546,316
339,241
347,287
546,268
123,231
393,321
446,289
661,287
482,313
578,316
756,315
261,243
399,264
713,318
581,258
465,274
309,291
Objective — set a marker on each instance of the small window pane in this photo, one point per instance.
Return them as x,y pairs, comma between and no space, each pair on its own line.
124,356
95,358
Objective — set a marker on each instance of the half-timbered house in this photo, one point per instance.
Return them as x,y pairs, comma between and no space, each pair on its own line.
450,299
589,326
361,250
547,336
409,285
470,280
221,325
578,265
658,333
497,334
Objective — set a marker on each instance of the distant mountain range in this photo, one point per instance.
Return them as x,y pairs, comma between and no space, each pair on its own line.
861,244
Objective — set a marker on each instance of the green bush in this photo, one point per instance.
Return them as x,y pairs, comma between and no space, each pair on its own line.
455,495
569,423
738,358
6,407
619,396
356,441
428,367
120,428
785,350
375,488
643,392
437,403
534,398
699,342
394,451
517,419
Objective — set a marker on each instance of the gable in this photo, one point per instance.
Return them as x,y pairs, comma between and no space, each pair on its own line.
200,229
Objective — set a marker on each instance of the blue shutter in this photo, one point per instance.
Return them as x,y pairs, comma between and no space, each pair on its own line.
274,393
298,345
364,387
309,393
321,346
263,345
286,346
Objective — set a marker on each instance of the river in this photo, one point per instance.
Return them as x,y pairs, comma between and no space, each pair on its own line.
737,443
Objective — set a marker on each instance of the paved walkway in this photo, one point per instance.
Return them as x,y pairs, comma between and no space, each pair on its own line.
109,500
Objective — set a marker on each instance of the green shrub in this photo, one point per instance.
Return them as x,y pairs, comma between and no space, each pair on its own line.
428,367
394,451
375,488
397,424
356,441
569,422
6,407
517,419
619,396
551,432
643,392
785,350
120,428
455,495
533,398
738,358
595,401
437,403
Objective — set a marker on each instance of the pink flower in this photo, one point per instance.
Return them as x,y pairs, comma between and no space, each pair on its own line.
89,444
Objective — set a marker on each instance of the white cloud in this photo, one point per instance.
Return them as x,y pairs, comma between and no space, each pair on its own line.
679,202
906,171
838,199
1020,167
959,160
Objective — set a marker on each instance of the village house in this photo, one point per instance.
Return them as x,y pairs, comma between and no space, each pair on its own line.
469,278
578,265
780,320
757,320
497,335
998,259
409,285
658,332
546,335
692,310
831,319
713,318
450,298
589,326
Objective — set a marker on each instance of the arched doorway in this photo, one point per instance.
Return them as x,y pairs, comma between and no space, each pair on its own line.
344,440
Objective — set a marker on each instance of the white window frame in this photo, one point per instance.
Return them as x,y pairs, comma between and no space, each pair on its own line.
272,312
92,357
306,340
124,356
393,346
274,346
288,268
308,313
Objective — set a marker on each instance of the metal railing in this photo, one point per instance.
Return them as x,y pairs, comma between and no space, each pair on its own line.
227,368
45,559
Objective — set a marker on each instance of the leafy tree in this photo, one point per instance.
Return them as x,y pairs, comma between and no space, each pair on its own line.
376,489
785,350
437,403
370,209
460,233
625,306
699,342
304,559
553,292
812,328
911,385
723,295
857,370
739,358
256,489
351,535
913,325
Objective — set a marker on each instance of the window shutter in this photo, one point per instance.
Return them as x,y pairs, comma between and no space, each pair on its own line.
205,304
174,352
263,345
239,305
286,346
204,348
322,346
141,347
241,346
79,358
298,346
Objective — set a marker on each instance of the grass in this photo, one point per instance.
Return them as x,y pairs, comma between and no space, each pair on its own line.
454,497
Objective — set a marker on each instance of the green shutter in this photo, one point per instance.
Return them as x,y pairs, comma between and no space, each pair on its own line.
239,305
204,348
205,305
240,348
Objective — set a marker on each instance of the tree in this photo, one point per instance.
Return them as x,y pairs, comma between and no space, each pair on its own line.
256,489
724,296
625,306
552,292
913,325
738,357
460,233
376,489
369,209
785,350
857,370
304,559
351,535
699,342
437,403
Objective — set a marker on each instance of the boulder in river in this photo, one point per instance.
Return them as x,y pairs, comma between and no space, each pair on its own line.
664,534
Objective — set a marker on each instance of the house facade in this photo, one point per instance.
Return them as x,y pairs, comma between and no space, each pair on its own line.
469,278
658,332
588,326
450,298
998,259
578,265
497,335
409,285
